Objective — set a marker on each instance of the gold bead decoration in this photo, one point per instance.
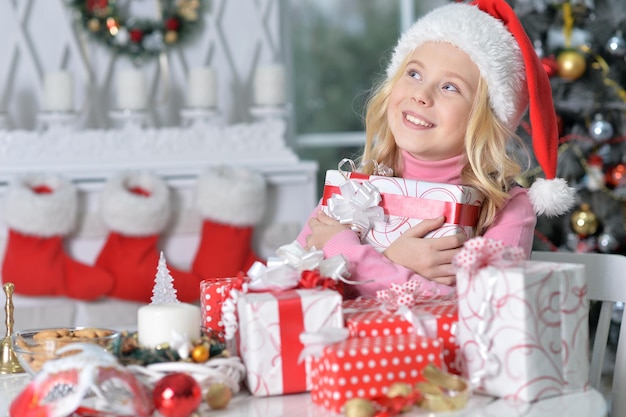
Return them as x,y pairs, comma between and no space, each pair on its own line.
200,354
218,396
170,37
584,221
359,407
94,25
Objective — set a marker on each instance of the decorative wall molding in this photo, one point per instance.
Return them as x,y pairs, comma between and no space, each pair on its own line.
89,154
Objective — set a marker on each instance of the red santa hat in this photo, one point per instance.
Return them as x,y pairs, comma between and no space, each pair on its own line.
489,32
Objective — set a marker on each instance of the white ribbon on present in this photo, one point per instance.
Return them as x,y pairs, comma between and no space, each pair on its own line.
314,343
476,254
283,272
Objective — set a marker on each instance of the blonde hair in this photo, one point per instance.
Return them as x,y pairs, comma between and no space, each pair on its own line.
488,166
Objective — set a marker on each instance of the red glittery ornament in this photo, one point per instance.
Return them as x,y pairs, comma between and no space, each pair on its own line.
177,395
616,176
550,65
172,24
136,35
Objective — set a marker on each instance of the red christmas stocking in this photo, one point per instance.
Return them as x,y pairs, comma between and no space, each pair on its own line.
40,212
231,202
136,209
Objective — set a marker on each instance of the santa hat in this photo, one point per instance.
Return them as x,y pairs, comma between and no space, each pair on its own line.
489,32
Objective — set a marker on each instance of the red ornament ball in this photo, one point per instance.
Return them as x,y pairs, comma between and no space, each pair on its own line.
550,65
177,395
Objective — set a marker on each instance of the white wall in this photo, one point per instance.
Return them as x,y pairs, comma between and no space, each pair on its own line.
41,36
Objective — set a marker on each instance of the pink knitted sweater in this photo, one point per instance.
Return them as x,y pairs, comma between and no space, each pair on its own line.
514,225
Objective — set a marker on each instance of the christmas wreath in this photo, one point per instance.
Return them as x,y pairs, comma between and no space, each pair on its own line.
138,37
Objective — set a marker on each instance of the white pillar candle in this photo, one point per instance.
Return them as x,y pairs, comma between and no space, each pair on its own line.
156,323
131,90
58,92
202,85
269,85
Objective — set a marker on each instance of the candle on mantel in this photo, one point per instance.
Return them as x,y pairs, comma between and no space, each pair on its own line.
58,92
165,316
202,92
269,85
131,90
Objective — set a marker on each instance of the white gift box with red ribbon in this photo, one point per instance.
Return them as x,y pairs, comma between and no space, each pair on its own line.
270,327
523,325
381,208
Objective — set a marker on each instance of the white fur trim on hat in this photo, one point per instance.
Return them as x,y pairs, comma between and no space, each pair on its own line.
487,42
234,196
41,214
132,214
551,197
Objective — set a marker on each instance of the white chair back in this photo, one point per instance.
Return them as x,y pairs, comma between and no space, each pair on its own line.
606,283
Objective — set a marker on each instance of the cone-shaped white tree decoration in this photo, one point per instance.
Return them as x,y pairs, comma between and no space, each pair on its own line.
163,291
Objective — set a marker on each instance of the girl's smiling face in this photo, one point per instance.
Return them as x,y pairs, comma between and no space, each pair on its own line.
430,104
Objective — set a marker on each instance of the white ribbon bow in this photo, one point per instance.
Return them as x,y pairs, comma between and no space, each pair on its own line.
358,206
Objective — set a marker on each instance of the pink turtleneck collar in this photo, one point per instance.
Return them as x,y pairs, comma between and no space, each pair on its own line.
446,171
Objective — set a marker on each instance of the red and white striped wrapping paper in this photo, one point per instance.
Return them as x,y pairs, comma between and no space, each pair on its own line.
407,202
270,324
437,320
365,367
523,330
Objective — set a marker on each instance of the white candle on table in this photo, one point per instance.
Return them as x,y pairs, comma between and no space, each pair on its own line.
202,92
156,323
269,85
58,92
131,90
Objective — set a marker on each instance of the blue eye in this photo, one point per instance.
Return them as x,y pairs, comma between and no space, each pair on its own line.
415,74
450,87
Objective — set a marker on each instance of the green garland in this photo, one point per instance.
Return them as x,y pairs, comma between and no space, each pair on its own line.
139,38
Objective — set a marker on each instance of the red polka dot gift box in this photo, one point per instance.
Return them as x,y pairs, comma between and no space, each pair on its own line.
434,319
366,367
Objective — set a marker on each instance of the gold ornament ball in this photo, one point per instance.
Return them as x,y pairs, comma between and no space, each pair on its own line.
170,37
94,25
218,396
584,221
359,407
571,64
200,354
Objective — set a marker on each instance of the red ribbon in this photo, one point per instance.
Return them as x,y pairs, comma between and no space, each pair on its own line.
291,319
420,208
312,279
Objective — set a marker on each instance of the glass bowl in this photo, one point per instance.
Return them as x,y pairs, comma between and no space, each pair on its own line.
35,347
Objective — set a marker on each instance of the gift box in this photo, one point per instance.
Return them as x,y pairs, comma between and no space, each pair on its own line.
436,320
405,203
366,367
523,329
213,293
270,325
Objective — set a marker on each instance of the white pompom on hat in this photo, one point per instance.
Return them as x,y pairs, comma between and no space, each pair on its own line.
490,33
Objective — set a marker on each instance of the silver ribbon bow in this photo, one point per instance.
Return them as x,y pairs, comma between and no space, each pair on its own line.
358,206
284,271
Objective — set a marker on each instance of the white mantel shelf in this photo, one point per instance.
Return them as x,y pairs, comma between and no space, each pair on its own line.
86,155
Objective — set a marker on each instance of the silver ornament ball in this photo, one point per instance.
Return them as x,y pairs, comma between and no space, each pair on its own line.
600,130
616,45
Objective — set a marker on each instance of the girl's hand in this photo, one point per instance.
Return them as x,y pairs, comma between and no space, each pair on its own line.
323,228
428,257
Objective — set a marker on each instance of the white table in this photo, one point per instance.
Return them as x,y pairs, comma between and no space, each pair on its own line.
584,404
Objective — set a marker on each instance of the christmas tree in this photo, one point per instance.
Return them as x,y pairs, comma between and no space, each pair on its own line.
582,46
163,291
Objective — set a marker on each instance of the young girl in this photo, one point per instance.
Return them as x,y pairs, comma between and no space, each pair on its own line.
457,85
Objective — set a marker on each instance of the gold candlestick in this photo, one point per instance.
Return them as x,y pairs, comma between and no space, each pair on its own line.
8,361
